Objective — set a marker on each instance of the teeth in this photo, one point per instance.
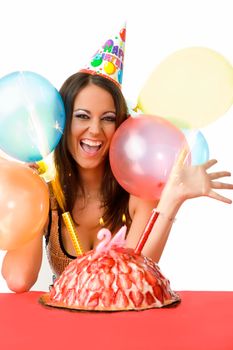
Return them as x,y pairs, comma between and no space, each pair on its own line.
92,142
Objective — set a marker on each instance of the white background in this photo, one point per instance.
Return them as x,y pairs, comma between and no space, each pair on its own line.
56,38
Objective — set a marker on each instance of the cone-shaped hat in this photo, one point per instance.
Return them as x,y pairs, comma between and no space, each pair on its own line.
108,61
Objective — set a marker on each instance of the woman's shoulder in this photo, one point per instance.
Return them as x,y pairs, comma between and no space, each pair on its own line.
137,204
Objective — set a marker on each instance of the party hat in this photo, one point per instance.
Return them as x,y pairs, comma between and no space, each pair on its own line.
109,59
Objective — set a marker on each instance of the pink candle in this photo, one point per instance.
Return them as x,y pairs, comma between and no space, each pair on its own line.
147,231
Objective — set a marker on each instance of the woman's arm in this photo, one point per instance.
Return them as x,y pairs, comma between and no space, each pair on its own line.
142,210
185,182
21,266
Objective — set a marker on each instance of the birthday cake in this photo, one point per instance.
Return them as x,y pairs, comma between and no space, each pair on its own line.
111,278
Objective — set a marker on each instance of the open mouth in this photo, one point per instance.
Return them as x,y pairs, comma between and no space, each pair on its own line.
90,146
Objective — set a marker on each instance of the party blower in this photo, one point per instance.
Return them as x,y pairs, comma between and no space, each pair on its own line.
54,183
66,215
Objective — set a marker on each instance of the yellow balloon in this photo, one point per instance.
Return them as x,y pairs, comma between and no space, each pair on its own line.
191,87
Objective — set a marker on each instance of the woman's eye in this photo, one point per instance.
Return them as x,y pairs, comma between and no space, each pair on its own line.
82,116
109,118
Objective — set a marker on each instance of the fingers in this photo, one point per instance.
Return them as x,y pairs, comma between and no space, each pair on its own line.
219,174
33,166
209,163
218,197
181,159
182,156
221,185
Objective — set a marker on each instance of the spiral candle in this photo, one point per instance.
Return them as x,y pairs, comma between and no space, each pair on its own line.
147,231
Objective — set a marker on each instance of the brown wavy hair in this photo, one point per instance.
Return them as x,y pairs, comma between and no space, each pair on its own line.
115,198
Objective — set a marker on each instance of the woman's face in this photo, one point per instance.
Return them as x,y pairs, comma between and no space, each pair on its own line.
92,127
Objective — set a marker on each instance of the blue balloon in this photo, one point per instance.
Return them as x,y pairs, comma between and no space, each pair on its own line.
32,116
198,146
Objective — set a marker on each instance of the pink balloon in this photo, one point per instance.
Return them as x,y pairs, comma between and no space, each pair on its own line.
143,152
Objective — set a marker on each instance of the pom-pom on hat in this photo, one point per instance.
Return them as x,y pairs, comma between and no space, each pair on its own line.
108,61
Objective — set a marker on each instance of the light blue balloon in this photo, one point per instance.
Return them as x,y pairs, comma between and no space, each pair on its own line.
198,146
32,116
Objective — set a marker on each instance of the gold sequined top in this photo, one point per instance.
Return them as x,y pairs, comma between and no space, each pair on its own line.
57,255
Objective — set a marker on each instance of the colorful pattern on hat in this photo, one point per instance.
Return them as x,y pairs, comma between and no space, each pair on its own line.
108,61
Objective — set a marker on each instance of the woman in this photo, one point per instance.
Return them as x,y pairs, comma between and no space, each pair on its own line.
95,107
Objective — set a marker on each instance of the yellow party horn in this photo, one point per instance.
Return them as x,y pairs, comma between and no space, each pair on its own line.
58,193
71,229
55,183
66,215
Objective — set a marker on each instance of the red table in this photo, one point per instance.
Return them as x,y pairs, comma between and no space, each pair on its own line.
203,320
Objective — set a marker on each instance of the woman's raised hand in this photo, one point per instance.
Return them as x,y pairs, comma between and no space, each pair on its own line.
187,182
34,166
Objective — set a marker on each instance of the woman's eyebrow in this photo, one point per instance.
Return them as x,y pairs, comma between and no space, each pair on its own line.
113,112
81,109
87,111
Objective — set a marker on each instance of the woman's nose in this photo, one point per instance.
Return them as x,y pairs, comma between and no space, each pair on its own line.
95,127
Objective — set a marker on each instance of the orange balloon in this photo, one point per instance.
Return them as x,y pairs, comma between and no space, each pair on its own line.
24,204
